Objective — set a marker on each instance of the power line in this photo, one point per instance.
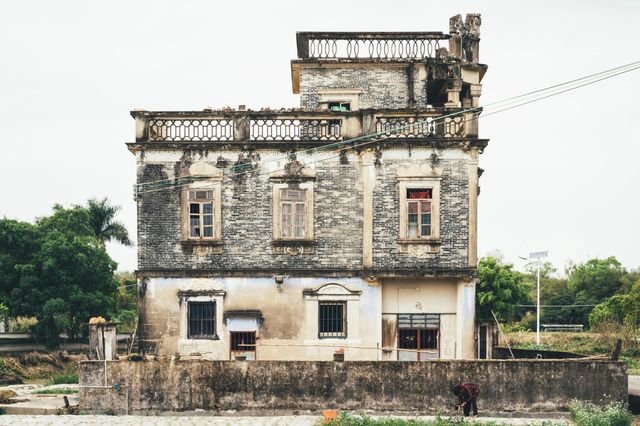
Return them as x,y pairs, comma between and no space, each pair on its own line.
556,306
381,136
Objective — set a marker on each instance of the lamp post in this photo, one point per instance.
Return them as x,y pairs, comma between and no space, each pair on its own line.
538,255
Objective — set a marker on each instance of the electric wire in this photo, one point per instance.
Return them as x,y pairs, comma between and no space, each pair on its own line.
384,135
626,68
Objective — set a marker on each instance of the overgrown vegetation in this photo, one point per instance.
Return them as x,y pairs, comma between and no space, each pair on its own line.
589,414
346,419
52,368
57,271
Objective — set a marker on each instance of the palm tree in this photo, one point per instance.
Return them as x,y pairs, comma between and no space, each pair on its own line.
101,214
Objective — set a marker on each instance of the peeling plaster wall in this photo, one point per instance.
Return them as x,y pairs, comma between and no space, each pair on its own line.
414,387
289,329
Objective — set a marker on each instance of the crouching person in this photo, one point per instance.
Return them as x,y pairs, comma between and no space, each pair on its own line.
467,394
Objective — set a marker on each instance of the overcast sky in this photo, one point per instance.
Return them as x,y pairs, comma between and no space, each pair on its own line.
561,175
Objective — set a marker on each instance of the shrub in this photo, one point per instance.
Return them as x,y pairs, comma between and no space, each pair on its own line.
589,414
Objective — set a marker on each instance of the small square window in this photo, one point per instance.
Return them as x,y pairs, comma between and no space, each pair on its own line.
202,320
332,319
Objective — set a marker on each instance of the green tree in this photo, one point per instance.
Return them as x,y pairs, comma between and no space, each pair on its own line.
57,271
101,220
53,320
593,282
621,308
18,242
500,289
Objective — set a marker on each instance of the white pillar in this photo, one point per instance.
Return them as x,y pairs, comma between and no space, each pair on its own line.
465,320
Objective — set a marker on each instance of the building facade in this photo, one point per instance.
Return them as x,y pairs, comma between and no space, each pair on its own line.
345,228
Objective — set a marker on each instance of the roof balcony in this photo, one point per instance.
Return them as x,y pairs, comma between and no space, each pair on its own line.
299,127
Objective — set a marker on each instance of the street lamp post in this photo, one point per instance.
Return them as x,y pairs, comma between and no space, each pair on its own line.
538,255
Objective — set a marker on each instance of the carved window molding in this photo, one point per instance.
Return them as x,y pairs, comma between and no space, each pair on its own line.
330,96
206,179
293,240
419,177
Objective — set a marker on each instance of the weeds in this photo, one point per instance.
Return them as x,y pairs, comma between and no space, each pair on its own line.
589,414
58,391
346,419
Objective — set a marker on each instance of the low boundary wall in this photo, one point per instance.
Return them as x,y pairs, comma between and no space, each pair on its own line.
425,387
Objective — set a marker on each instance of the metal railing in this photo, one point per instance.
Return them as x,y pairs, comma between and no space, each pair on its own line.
367,45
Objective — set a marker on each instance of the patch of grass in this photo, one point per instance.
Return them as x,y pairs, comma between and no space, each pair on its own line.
64,378
589,414
346,419
58,391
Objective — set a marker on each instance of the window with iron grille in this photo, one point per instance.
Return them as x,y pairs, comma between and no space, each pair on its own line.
292,213
419,212
201,214
419,332
243,341
202,320
332,319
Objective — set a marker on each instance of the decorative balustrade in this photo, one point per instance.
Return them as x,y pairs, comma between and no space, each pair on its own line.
297,125
420,126
357,45
190,130
295,130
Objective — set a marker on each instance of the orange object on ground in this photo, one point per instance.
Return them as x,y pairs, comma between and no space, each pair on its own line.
329,416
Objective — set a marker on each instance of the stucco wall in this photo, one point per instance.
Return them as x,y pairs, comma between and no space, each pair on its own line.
423,387
289,327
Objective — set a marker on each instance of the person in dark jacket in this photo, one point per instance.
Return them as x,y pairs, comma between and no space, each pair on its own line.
467,394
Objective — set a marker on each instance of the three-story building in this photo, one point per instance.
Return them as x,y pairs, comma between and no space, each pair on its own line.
347,226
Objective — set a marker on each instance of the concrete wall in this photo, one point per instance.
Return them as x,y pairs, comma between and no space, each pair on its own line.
423,387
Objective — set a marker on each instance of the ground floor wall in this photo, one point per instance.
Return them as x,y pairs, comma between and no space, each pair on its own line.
418,387
285,318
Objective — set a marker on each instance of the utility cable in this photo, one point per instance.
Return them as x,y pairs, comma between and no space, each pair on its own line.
632,66
383,135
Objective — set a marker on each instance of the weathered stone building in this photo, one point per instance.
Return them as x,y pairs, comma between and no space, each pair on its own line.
344,227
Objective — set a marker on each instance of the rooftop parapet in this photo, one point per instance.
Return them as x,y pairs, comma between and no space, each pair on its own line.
461,43
308,126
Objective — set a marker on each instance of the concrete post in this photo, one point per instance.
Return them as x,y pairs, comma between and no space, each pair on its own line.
465,320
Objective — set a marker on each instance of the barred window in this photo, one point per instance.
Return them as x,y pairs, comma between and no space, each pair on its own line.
243,341
201,214
202,320
332,319
419,212
292,213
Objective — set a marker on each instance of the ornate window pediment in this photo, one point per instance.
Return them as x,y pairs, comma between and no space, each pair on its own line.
331,291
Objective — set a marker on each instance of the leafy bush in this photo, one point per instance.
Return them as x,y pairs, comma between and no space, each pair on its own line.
64,378
589,414
127,319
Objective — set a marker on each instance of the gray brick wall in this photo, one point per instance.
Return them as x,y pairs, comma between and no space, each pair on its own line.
382,87
338,210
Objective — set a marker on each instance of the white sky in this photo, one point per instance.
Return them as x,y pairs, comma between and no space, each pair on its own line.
561,175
